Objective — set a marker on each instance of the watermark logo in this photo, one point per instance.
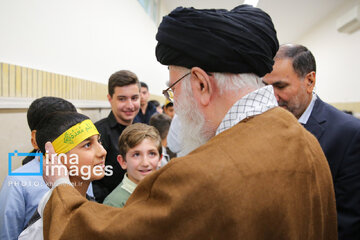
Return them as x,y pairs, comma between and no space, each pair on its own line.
18,154
55,163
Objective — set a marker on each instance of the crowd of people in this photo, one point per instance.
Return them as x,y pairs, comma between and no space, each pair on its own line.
243,147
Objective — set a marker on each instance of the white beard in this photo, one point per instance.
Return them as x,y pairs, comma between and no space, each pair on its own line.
193,129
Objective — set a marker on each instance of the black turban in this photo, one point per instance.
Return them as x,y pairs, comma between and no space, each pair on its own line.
242,40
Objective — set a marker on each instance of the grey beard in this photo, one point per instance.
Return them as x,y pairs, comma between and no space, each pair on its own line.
192,122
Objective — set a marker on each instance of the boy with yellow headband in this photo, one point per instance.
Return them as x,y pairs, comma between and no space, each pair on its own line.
76,142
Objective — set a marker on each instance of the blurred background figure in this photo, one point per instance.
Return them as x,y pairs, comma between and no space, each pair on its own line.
147,109
157,105
169,109
162,123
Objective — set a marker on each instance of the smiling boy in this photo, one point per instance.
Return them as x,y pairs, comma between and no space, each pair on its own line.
124,98
139,153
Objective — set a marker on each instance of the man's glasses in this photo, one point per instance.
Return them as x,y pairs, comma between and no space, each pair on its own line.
168,93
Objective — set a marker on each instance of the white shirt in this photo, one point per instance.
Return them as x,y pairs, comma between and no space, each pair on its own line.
305,116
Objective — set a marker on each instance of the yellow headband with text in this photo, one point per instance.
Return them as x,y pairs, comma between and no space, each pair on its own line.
74,135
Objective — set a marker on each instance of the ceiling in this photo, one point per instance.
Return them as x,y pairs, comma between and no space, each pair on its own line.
292,18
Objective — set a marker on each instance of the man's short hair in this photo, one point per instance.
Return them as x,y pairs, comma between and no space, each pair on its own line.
162,123
303,59
120,79
144,85
134,134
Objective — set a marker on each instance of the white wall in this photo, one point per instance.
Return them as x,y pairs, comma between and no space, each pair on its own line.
88,39
337,57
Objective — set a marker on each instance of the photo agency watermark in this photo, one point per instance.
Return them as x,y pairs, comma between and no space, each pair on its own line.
55,164
24,180
12,158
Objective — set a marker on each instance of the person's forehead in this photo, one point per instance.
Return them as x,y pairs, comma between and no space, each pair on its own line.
174,75
145,145
283,71
126,90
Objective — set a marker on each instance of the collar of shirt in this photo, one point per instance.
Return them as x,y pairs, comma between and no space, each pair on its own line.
254,103
112,120
305,116
128,185
165,154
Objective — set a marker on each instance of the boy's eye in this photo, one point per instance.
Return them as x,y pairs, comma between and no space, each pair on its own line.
99,141
87,145
153,154
136,154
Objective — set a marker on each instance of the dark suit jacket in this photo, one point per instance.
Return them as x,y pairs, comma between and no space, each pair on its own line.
339,137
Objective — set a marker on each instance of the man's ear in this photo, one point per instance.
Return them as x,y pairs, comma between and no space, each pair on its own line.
310,79
33,140
201,85
122,162
109,97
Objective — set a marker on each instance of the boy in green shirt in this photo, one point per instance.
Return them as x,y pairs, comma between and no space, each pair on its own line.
139,153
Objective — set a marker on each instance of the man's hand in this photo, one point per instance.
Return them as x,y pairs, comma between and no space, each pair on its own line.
52,168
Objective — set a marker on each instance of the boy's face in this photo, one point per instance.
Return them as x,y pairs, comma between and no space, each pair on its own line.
141,160
125,103
144,96
169,111
91,159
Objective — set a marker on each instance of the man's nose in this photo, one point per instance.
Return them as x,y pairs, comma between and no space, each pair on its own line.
276,95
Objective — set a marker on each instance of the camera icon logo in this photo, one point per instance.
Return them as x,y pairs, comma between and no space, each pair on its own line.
17,154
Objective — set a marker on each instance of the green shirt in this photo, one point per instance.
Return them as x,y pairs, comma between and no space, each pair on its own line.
119,196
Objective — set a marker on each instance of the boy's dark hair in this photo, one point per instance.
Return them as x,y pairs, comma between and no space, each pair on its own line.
169,104
162,123
45,105
54,124
154,102
39,108
134,134
120,79
144,85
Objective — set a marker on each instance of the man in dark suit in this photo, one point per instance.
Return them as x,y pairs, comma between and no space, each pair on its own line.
293,78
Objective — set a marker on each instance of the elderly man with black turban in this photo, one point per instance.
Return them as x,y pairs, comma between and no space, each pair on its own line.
253,172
